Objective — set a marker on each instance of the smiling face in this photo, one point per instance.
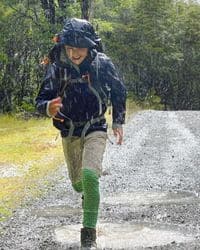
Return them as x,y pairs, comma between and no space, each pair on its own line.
76,55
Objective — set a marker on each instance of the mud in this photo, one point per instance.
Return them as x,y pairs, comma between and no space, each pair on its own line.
150,194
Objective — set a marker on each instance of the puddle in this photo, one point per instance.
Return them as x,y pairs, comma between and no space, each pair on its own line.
148,198
131,199
123,236
55,211
9,170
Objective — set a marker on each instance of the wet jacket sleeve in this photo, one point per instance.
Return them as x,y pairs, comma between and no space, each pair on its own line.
118,95
48,91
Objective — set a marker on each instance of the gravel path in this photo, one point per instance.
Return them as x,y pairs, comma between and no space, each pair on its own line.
151,187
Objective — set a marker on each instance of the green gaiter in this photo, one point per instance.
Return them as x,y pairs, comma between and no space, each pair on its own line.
78,186
91,197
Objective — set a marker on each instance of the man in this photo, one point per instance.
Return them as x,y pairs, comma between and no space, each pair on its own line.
75,92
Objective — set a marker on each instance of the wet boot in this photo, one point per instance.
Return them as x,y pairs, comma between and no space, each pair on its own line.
88,238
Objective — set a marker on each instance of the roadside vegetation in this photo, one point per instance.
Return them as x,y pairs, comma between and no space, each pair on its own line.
29,152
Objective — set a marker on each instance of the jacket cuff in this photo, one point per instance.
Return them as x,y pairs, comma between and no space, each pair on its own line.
47,109
116,125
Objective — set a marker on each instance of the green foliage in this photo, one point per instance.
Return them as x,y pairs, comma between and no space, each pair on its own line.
155,45
26,39
27,106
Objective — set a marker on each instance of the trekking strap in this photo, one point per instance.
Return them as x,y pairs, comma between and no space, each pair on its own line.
89,123
86,125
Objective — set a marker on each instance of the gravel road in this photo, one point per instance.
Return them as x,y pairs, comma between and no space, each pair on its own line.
149,193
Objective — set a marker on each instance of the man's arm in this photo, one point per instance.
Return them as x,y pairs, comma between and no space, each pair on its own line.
46,101
118,99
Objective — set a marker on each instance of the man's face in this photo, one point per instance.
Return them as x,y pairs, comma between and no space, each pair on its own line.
76,55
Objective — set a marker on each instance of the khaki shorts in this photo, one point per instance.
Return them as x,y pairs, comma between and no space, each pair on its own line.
84,154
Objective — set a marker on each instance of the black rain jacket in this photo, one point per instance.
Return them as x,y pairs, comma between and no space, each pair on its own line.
85,90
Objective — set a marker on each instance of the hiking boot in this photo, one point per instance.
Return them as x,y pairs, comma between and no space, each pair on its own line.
88,238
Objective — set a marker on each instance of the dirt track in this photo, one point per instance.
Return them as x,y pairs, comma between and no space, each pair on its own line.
150,196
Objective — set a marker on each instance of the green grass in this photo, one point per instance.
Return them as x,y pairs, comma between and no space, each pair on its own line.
30,147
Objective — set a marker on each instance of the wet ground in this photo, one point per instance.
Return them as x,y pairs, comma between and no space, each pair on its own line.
149,196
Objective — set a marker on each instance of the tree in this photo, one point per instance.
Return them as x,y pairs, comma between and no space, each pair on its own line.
86,6
155,45
49,10
27,32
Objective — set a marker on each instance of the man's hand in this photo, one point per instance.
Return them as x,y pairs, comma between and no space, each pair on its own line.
118,132
54,106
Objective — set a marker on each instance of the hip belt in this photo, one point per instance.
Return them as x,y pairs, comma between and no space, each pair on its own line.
72,125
